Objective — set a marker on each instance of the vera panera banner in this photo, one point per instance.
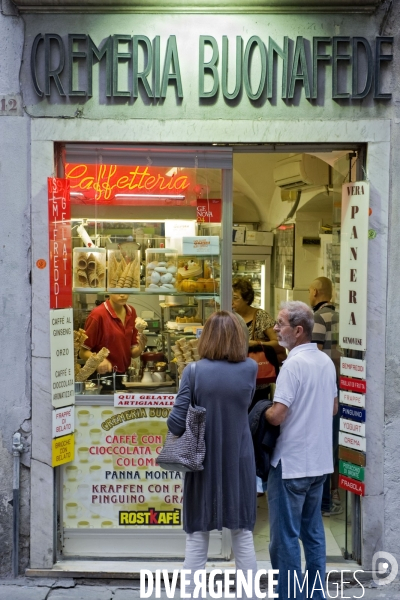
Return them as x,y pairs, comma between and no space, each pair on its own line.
114,480
136,66
353,266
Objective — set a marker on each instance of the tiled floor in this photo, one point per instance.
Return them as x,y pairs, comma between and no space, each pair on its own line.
334,533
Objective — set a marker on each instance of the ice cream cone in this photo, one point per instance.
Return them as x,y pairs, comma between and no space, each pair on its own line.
82,278
91,262
123,276
82,260
93,279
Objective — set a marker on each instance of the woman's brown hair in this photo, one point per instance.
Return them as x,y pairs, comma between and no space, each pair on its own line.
245,289
223,338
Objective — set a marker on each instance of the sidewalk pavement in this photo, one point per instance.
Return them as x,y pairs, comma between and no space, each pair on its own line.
25,588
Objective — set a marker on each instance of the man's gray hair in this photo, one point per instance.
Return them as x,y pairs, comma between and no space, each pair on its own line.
300,314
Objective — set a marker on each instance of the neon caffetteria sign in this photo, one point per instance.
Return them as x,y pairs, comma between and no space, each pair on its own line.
118,184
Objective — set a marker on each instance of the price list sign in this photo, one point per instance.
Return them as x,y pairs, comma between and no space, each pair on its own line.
62,357
352,441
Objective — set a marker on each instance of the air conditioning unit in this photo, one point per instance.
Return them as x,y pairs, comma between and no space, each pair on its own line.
301,171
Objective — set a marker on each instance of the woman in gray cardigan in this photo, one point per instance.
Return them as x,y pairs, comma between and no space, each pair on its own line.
224,493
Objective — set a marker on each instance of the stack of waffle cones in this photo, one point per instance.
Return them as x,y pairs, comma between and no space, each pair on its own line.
89,271
122,274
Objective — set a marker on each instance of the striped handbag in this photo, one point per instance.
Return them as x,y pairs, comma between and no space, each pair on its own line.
186,452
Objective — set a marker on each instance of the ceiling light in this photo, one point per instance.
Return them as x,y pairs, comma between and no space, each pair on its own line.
149,197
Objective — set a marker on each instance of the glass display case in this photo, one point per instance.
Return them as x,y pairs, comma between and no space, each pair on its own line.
161,270
123,268
183,289
89,270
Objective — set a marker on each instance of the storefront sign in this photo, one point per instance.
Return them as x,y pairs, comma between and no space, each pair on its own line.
352,367
59,63
352,441
127,185
350,412
59,243
163,400
350,470
63,421
114,481
62,357
356,385
353,266
204,244
209,211
351,485
352,456
352,398
352,427
62,450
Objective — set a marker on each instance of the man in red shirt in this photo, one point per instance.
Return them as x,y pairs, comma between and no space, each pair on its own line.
112,325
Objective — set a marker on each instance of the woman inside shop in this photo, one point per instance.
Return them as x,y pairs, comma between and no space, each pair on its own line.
223,494
112,325
258,321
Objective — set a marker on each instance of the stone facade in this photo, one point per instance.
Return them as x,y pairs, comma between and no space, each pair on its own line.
27,159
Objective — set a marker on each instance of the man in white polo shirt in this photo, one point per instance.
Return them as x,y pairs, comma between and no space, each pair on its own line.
304,401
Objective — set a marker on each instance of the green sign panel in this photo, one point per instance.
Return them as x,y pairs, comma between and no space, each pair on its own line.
350,470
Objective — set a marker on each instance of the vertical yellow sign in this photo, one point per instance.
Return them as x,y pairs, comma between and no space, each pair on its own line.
62,450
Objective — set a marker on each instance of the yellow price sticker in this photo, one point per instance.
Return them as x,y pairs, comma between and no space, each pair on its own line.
62,450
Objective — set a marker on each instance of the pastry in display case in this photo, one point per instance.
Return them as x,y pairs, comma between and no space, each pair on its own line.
197,275
161,270
185,352
123,274
183,316
89,269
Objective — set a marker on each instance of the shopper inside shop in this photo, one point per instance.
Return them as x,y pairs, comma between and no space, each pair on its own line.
325,335
223,494
112,325
260,326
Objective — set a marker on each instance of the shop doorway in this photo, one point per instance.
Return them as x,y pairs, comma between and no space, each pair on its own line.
285,211
296,198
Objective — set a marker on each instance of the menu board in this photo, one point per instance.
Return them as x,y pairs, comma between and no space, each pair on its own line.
114,480
62,357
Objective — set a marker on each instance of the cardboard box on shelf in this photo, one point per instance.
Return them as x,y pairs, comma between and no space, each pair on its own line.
238,234
259,238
